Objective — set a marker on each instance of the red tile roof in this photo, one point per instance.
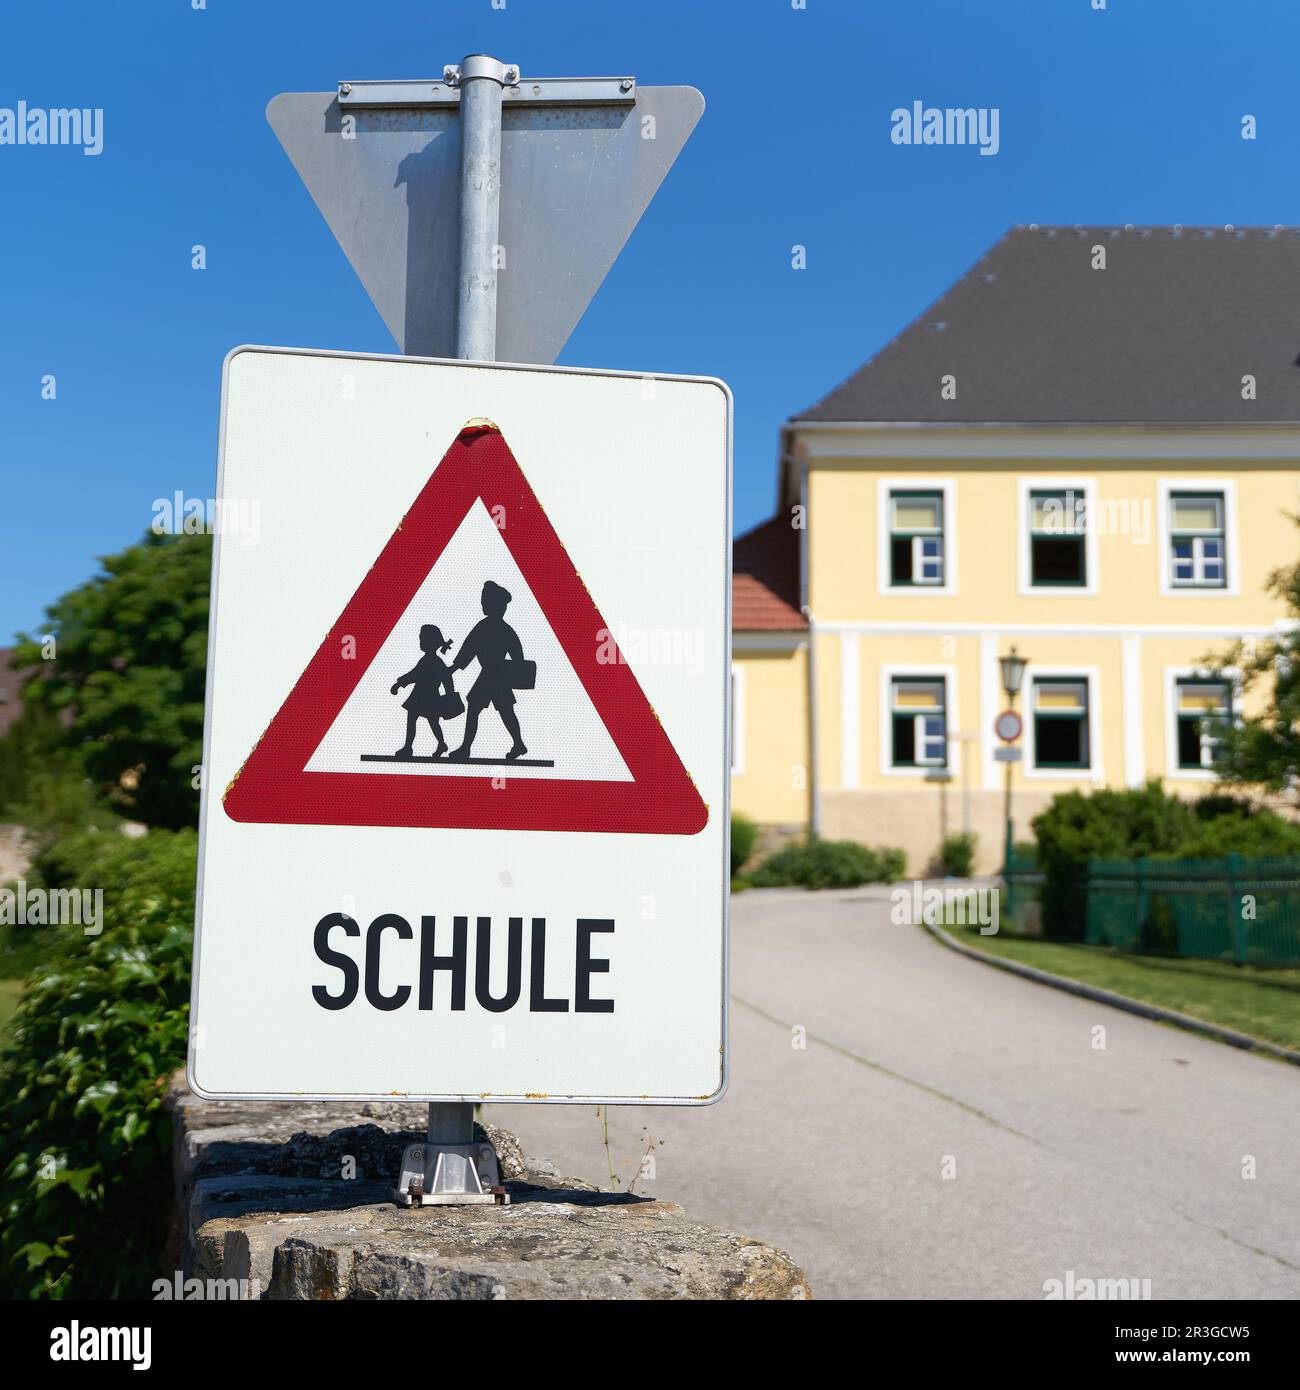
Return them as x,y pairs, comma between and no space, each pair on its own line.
765,579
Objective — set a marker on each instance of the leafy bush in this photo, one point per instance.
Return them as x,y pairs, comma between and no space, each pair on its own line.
57,802
1140,823
957,855
1104,824
1260,833
828,864
743,834
102,1023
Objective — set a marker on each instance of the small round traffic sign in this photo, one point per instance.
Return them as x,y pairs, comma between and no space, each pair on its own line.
1007,726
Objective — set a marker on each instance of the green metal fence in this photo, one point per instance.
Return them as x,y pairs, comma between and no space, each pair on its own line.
1238,909
1021,908
1245,910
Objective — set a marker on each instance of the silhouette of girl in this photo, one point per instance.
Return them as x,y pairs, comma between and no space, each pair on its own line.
433,697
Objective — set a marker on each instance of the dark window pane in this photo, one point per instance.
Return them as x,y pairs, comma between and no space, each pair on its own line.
900,551
1059,742
904,750
1189,743
1057,560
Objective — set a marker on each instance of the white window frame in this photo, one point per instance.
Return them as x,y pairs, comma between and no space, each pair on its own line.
913,671
1087,487
922,737
1096,774
920,559
947,488
737,720
1165,489
1173,674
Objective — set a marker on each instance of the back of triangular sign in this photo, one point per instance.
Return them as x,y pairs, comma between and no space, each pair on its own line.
574,183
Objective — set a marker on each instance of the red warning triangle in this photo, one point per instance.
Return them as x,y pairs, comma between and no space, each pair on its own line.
273,786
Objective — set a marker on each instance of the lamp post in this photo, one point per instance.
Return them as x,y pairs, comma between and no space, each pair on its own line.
1013,677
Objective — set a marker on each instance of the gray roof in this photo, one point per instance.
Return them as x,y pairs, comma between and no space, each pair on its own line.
1033,333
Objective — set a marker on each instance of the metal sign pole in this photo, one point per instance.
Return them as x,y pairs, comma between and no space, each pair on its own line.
481,80
452,1169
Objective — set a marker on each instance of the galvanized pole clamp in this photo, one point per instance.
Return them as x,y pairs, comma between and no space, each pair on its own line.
451,1168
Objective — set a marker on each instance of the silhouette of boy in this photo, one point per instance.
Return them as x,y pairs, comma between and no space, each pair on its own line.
494,644
433,695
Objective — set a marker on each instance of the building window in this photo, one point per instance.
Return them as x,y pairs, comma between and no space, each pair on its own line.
1060,712
1197,542
1058,538
1200,707
918,721
916,538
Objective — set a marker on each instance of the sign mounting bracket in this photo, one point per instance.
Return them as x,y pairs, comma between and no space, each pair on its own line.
516,91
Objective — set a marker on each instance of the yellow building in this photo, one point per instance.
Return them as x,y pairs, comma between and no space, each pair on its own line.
1087,448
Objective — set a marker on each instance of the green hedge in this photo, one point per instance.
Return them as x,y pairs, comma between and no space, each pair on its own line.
743,834
828,864
86,1186
1141,822
957,855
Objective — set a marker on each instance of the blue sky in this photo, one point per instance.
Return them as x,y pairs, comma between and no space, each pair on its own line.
1127,114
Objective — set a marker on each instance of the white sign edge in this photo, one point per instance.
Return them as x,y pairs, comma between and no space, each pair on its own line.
421,1097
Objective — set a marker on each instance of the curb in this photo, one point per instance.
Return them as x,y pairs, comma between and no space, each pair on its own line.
1118,1001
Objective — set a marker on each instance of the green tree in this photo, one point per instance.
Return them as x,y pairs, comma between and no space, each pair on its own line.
1263,750
124,678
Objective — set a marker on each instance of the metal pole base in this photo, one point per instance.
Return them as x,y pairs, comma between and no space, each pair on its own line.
451,1168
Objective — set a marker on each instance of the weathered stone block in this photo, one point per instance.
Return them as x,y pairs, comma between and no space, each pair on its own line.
262,1198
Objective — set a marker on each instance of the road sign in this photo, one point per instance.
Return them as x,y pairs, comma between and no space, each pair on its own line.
1007,726
578,171
1007,755
606,765
466,776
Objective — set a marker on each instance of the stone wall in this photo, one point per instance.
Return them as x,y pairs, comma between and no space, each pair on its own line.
294,1201
913,820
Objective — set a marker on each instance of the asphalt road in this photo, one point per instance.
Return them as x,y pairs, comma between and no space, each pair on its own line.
1122,1162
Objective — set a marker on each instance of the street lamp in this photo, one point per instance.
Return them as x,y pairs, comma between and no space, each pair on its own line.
1013,677
1013,673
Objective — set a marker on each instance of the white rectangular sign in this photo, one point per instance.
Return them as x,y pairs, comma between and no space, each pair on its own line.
465,805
